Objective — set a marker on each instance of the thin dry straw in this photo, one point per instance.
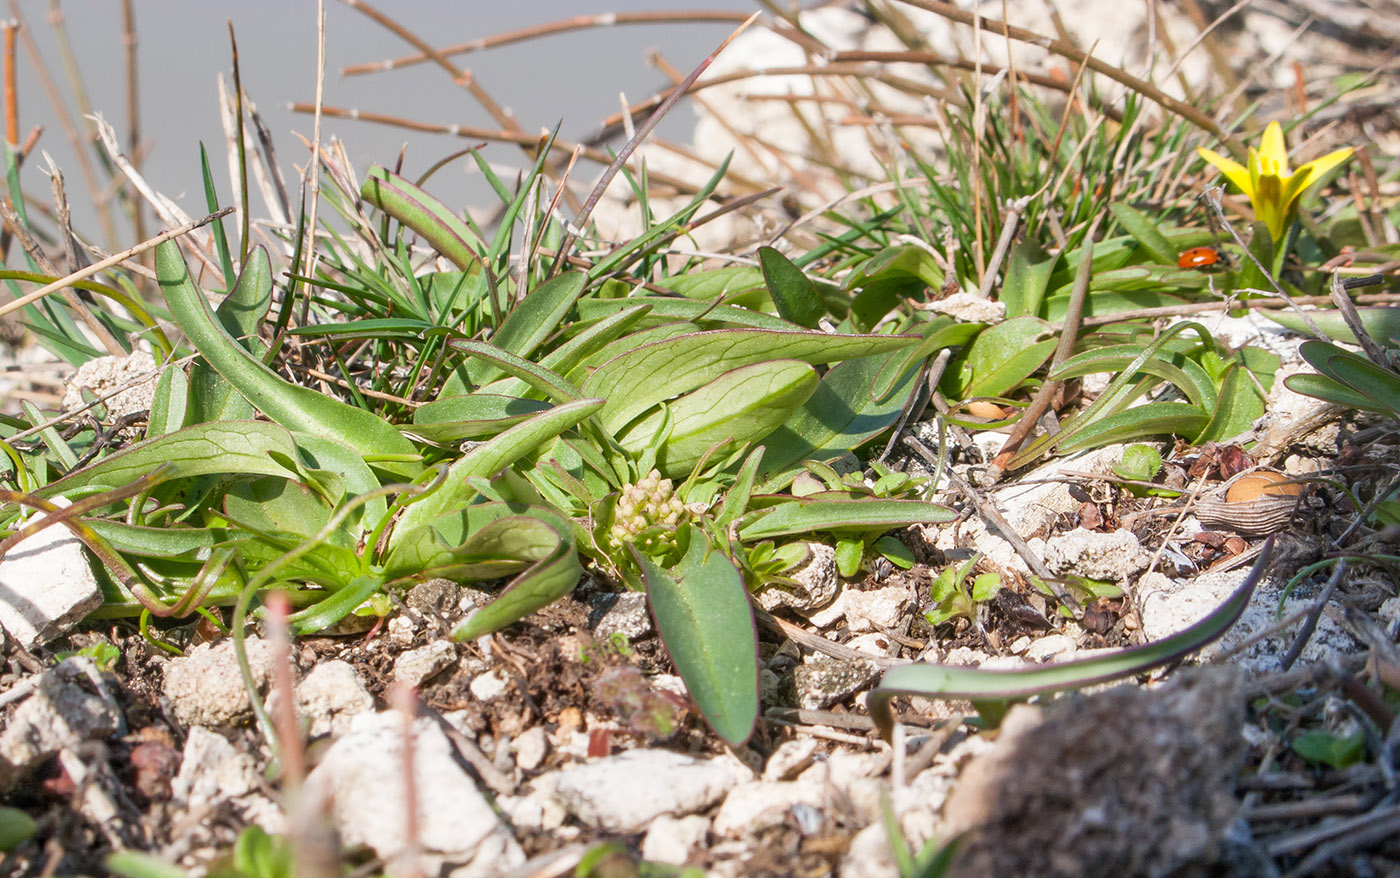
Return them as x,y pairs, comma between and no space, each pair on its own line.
96,188
501,116
631,145
1060,47
563,25
114,259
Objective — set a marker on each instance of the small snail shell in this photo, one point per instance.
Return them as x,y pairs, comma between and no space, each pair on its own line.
1254,503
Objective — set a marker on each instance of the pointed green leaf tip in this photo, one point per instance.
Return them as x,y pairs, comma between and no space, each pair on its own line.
702,613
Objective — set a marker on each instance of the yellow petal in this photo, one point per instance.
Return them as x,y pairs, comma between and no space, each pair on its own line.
1269,206
1233,170
1273,153
1312,172
1316,168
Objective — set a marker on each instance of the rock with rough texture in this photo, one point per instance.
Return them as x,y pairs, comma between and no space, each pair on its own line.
790,758
758,805
823,680
530,748
214,772
418,666
671,839
1110,557
361,777
1124,782
46,586
813,583
878,608
1030,506
205,687
870,855
1169,606
624,614
330,696
133,375
59,713
626,792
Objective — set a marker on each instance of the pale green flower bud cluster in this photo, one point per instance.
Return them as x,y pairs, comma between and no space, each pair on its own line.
649,502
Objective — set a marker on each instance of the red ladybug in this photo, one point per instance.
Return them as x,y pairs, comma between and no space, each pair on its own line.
1198,257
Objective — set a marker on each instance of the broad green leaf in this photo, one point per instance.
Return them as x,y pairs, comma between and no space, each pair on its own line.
985,586
577,350
715,283
1324,388
1381,323
849,554
296,408
1144,230
538,536
243,309
1359,373
1103,303
169,406
243,448
1326,748
703,616
999,359
846,410
15,828
893,275
1023,290
273,504
793,293
1153,419
444,547
259,855
531,321
641,378
895,552
746,404
473,415
1239,406
1140,463
552,386
947,681
490,458
321,454
341,603
664,308
131,864
1182,371
805,516
447,233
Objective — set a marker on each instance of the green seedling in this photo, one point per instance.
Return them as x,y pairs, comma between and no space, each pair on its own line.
956,593
946,681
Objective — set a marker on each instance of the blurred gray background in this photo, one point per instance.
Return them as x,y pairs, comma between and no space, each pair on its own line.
573,78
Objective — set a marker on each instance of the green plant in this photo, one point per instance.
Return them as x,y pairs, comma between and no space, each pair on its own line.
930,861
104,655
993,687
16,827
955,592
1369,383
1272,188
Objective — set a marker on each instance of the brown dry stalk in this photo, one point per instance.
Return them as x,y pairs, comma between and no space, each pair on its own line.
563,25
1060,47
11,92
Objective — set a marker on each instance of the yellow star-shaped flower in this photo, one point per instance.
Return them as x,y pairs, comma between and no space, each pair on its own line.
1273,190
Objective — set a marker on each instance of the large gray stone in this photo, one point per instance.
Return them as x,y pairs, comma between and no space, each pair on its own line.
626,792
361,781
59,713
206,688
46,586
